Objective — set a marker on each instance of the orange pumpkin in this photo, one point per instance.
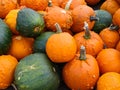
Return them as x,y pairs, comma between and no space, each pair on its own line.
61,46
81,14
116,17
6,6
108,60
82,72
71,4
110,5
109,81
58,15
110,36
91,40
21,46
7,67
35,4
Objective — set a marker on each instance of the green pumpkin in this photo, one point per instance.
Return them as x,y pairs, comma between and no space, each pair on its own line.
104,20
40,42
36,72
5,37
29,23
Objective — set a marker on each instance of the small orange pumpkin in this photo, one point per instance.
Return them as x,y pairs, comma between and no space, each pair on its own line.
91,40
82,72
110,36
6,6
21,46
7,67
61,46
108,60
81,14
110,5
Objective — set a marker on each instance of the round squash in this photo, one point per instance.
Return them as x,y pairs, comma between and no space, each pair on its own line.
36,72
105,19
29,22
5,37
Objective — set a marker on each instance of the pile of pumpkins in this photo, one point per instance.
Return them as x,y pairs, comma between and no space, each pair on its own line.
44,43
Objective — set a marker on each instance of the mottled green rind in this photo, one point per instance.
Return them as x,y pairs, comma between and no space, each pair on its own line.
29,23
36,72
105,19
40,42
5,37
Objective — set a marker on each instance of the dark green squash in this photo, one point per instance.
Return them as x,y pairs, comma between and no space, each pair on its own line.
40,42
5,37
105,19
29,23
36,72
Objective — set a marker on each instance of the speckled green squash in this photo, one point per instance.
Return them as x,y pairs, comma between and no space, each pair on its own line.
5,37
36,72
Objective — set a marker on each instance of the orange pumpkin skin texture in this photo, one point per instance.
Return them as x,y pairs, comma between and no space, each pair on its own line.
21,46
61,47
118,46
58,15
7,67
73,4
35,4
81,74
6,6
116,17
110,5
109,81
109,60
109,37
81,14
92,2
10,20
93,45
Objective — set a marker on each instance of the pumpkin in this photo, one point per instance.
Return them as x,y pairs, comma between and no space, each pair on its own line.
5,37
105,19
58,15
71,4
92,2
108,60
116,17
110,5
91,40
35,4
110,36
40,42
29,23
8,64
81,14
109,81
10,20
36,72
21,46
61,46
82,72
6,6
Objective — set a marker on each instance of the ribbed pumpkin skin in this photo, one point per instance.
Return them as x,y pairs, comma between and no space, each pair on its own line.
29,22
5,37
36,72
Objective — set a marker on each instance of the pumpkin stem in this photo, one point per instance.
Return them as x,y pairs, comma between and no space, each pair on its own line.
67,6
94,18
59,30
50,3
87,31
82,53
13,85
114,27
